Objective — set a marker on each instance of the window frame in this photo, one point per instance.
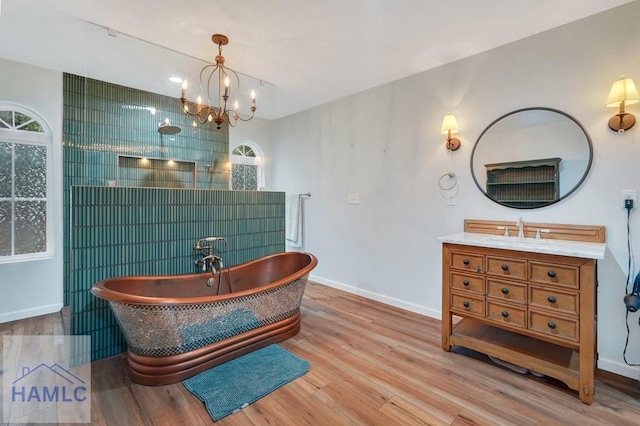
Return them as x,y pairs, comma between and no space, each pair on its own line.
251,161
45,140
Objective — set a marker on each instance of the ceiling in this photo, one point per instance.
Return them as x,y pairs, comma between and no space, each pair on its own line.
302,53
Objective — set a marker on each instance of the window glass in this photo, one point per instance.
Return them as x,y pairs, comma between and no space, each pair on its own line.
5,228
244,177
244,151
6,119
30,227
30,171
6,154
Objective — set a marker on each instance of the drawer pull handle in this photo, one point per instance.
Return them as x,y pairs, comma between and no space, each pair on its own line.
505,267
505,290
466,304
551,325
505,314
551,299
465,261
465,283
551,274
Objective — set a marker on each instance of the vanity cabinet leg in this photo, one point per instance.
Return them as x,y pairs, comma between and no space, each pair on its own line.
446,346
586,393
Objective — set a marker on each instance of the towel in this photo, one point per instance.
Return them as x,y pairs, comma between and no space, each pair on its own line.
293,220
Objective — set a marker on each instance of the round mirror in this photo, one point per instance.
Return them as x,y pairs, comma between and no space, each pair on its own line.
531,157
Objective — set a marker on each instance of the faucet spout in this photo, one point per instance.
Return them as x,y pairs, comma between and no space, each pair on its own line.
520,225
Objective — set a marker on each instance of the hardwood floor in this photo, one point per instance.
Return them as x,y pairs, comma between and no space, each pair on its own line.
371,364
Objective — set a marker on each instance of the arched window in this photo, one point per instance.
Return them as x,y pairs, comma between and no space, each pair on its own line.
246,167
25,150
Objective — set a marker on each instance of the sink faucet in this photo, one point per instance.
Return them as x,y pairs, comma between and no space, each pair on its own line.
520,225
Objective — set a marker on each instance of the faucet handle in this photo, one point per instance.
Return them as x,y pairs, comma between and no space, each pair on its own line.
506,230
538,231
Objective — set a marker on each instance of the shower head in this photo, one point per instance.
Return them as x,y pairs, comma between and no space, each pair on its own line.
168,129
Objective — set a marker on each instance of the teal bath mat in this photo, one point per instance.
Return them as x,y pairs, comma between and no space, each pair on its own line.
235,384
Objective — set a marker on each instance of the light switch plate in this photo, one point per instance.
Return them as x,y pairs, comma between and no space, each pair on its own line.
353,198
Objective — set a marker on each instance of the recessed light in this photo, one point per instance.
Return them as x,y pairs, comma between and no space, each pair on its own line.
175,80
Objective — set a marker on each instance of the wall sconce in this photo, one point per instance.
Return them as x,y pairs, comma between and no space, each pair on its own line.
623,92
449,127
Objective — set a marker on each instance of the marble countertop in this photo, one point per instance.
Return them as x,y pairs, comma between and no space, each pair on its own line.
548,246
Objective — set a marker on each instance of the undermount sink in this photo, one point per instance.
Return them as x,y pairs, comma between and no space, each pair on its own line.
517,240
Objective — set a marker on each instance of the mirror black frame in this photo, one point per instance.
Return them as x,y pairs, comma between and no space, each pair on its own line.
570,117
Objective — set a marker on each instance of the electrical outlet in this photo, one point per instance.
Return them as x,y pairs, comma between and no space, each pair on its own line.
451,198
629,194
353,198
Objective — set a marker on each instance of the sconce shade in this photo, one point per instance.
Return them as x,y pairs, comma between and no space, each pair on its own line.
449,124
623,93
623,90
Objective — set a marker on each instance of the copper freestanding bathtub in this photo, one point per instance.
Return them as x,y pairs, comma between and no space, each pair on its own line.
176,326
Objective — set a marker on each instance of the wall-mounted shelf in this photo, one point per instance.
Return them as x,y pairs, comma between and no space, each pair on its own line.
528,184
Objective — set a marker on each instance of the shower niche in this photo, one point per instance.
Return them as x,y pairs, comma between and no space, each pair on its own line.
155,172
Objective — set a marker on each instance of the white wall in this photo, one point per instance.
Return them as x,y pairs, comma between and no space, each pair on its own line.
385,144
35,287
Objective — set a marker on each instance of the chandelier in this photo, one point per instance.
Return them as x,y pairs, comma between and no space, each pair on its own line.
215,78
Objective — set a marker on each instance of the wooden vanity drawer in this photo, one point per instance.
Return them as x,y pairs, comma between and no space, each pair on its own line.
468,261
507,267
507,291
468,303
550,273
507,314
467,282
564,328
556,299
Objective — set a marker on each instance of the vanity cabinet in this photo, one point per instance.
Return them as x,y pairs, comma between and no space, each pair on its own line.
535,310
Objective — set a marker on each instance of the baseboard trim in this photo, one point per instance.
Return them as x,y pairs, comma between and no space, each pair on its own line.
407,306
619,368
29,313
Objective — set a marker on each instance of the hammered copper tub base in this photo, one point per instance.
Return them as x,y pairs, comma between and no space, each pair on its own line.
150,370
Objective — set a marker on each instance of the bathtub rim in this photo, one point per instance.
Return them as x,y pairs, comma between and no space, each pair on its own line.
100,291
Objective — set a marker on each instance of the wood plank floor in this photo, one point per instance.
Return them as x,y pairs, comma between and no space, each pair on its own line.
371,364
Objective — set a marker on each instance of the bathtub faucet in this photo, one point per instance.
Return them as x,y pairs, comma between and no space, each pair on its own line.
213,263
210,259
200,246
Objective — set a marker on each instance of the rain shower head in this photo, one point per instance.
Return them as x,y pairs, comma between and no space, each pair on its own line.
168,129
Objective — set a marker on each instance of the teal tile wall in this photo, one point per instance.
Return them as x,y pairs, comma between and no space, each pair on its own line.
102,120
151,231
